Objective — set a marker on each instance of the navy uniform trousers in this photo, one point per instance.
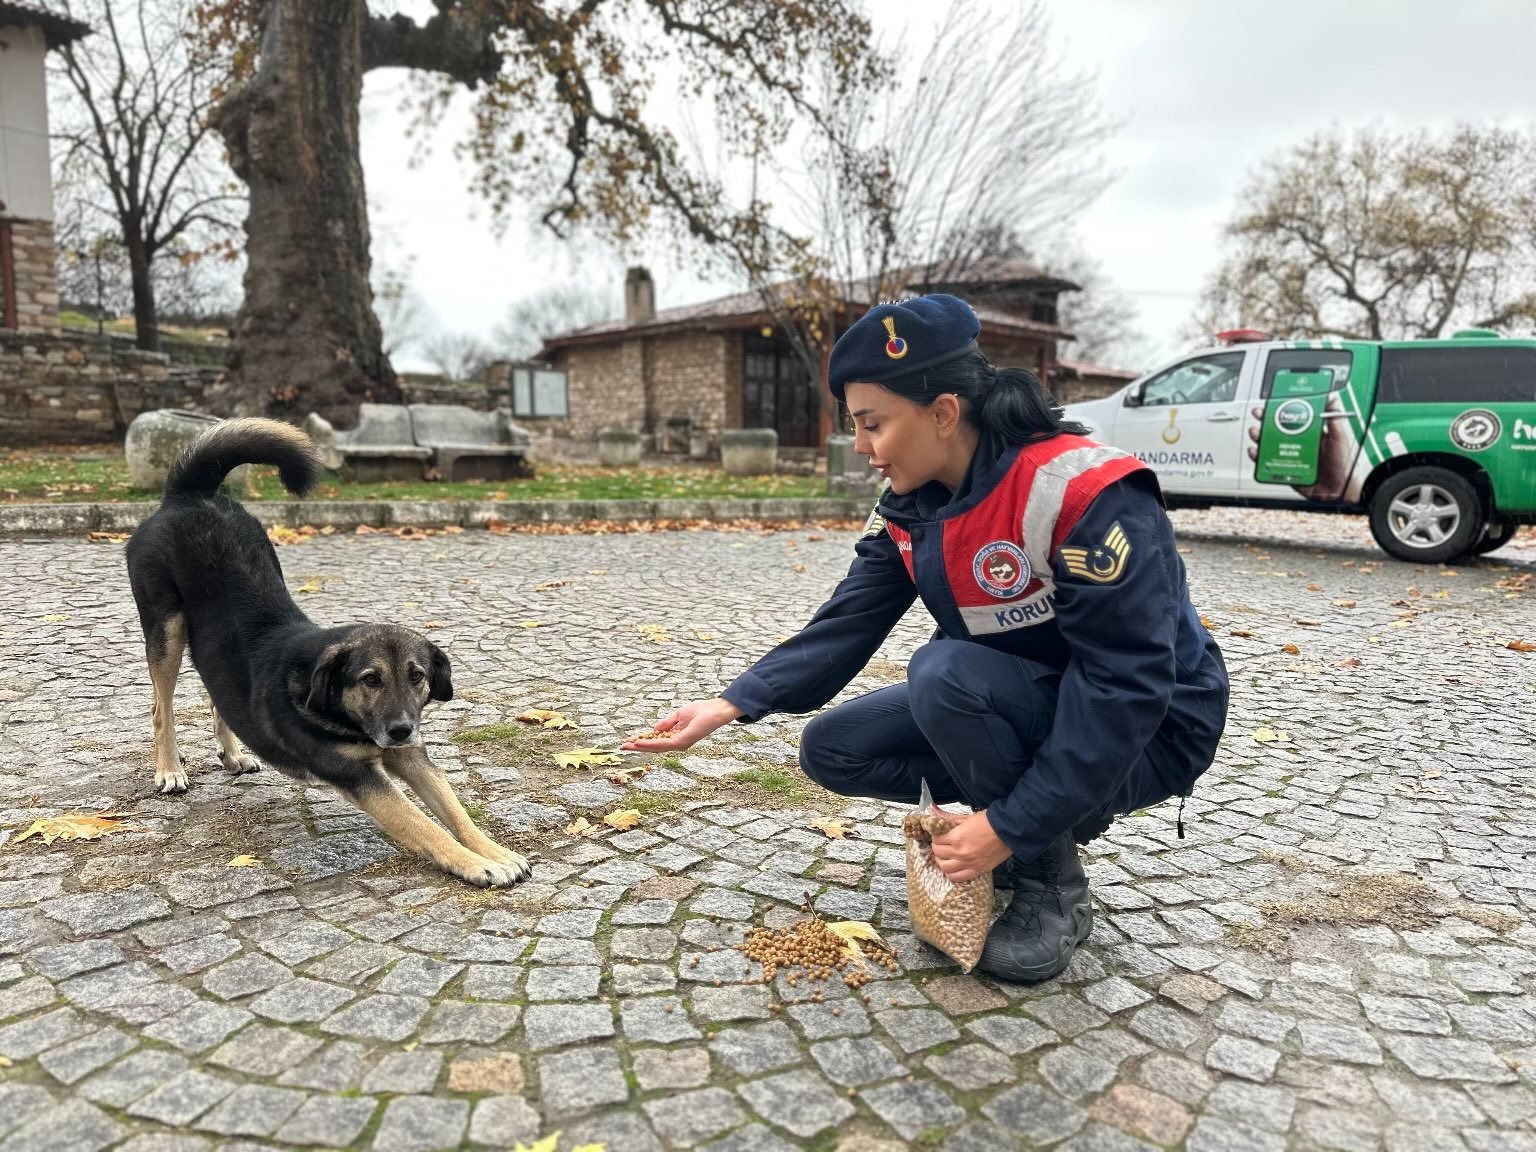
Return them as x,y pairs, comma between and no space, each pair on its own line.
968,721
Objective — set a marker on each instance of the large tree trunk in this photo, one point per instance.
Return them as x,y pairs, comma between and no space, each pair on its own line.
146,319
307,338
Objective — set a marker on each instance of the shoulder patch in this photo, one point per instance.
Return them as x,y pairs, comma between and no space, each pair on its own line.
874,525
1105,562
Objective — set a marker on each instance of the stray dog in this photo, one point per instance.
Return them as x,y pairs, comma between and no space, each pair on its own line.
339,706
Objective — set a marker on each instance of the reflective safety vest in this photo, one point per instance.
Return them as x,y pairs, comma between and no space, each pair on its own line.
985,572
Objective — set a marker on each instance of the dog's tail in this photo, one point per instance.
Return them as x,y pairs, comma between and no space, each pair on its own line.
231,443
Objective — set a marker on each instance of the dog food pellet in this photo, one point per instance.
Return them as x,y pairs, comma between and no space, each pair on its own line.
954,918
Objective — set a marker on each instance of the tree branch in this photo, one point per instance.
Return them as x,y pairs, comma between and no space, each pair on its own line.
448,43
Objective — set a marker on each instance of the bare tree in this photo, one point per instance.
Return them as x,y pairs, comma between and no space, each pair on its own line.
1382,235
402,315
985,134
458,355
137,145
563,124
558,308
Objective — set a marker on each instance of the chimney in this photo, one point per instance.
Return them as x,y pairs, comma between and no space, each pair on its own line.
639,296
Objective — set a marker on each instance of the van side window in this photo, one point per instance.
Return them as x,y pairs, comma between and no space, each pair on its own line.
1334,360
1457,376
1207,380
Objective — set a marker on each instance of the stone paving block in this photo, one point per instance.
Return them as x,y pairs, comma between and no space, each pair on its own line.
61,961
580,1080
132,1077
1141,1113
503,1121
89,913
563,983
1440,1059
69,1062
418,976
419,1124
823,1021
378,1018
913,1108
195,955
1066,1014
1035,1113
638,979
480,1023
198,1026
252,1110
1270,1107
853,1062
1338,1042
657,1068
615,1130
336,1068
261,1050
799,1102
754,1049
1075,1073
214,884
1406,1014
492,981
1115,994
972,1067
182,1100
404,1072
1212,1134
244,975
722,1005
73,1126
917,1028
1013,1035
27,996
1164,1027
689,1118
20,1103
27,1038
327,1121
655,1019
299,1000
551,1025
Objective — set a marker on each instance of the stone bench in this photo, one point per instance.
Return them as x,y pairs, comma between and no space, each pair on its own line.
470,445
381,447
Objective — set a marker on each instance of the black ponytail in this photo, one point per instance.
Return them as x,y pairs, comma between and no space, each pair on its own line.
1010,402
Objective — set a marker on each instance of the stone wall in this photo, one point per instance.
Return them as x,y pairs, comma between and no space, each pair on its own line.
691,376
36,280
66,388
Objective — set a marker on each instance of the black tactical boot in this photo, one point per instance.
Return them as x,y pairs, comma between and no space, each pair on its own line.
1049,916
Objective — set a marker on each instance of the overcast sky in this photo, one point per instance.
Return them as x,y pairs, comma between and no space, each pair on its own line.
1203,90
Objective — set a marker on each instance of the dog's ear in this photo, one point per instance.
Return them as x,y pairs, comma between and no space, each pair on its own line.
325,680
440,676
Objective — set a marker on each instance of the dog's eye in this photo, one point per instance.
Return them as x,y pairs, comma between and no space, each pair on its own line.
416,676
372,679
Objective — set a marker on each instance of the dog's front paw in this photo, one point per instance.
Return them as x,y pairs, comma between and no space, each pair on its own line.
171,780
240,763
485,873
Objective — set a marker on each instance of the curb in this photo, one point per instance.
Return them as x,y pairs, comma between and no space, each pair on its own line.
77,519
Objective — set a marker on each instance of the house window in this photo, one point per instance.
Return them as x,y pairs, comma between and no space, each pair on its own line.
539,393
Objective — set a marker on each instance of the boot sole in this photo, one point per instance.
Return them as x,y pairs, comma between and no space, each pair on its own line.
1082,917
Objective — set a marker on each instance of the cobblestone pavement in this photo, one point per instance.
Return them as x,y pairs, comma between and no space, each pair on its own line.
1339,954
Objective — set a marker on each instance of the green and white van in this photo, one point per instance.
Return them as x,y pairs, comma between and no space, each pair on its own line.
1435,440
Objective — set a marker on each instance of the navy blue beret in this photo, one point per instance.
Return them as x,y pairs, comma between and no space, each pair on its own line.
891,340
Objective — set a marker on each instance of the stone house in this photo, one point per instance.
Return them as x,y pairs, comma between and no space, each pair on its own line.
682,375
29,297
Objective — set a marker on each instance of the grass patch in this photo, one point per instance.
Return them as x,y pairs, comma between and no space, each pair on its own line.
488,734
475,812
652,803
98,474
782,784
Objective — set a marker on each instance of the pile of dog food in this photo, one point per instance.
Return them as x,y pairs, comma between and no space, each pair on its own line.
812,945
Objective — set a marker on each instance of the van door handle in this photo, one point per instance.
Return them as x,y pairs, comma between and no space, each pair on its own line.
1223,417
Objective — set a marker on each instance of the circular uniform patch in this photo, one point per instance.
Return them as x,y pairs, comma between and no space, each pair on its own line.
1002,569
1476,429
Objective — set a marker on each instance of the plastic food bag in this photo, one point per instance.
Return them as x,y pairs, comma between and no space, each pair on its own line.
954,918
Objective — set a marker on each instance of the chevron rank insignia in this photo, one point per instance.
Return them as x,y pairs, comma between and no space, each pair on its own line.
1104,563
875,524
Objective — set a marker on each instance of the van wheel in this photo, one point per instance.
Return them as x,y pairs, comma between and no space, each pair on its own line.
1495,537
1428,515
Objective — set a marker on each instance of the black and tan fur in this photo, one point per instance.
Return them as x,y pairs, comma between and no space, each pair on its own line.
339,706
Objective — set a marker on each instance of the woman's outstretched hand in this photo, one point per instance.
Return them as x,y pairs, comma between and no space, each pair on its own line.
685,727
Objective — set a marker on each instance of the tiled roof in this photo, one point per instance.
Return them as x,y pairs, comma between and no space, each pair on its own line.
1083,368
57,30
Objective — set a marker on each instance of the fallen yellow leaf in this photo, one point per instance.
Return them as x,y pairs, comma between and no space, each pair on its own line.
1314,587
313,584
1343,603
533,623
835,829
1442,594
655,633
585,758
5,1062
624,819
1271,736
1290,650
703,635
850,932
54,618
597,571
580,826
1307,622
243,862
1521,646
76,826
1208,623
544,718
432,624
550,585
1241,632
548,1144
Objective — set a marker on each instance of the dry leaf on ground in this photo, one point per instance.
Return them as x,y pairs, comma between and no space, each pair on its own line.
533,623
1521,646
1208,623
544,718
1242,633
1271,736
1290,650
243,862
1352,662
834,828
107,537
76,826
626,776
655,633
580,826
550,585
850,932
55,618
551,1142
1343,603
313,584
624,819
585,758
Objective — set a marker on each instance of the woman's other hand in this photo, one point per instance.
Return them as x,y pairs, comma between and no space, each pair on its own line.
685,727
